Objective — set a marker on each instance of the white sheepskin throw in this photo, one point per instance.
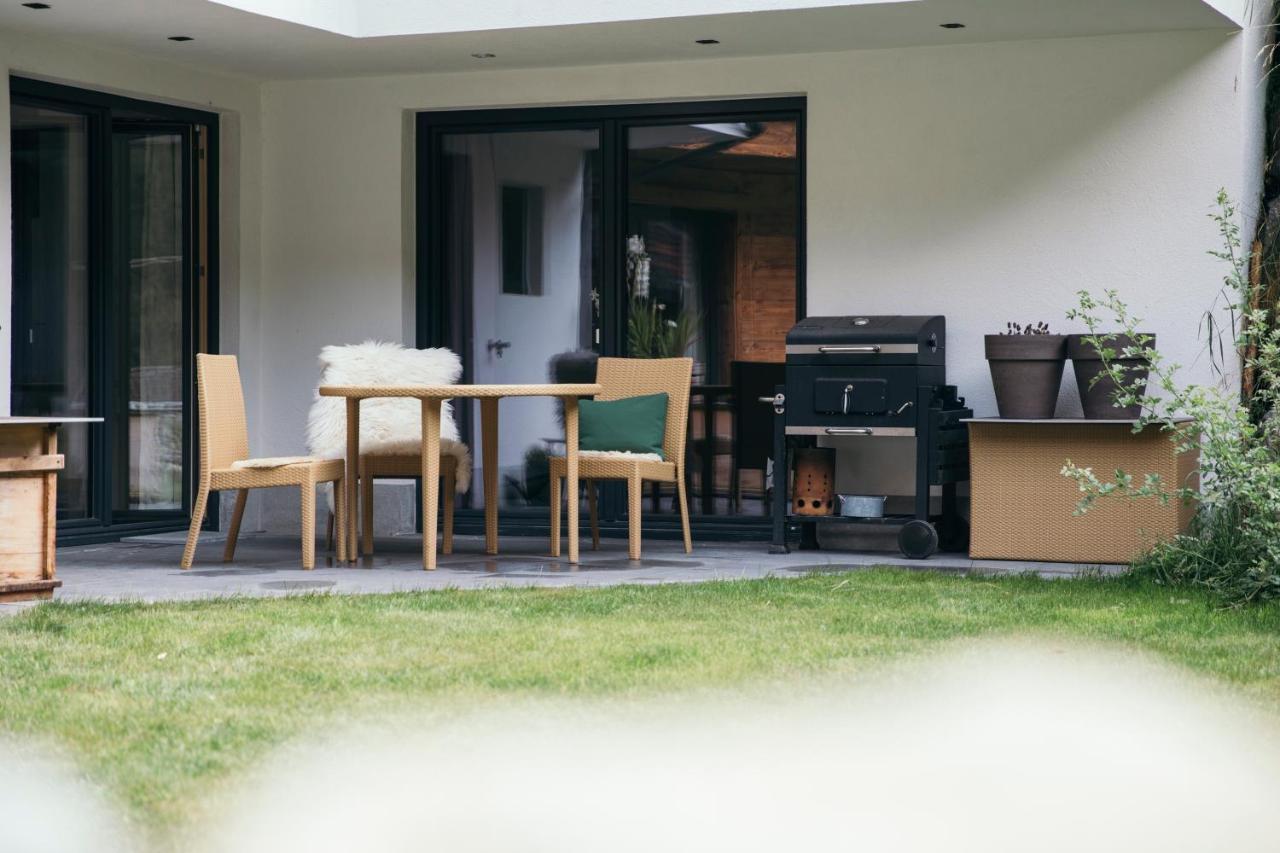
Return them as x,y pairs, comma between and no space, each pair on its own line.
386,425
620,454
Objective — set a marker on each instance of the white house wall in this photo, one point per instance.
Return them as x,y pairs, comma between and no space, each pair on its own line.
985,182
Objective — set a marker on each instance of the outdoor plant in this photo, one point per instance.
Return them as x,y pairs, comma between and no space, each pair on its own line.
1040,328
1026,369
1233,545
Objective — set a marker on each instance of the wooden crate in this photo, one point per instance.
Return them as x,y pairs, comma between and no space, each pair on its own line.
29,464
1022,506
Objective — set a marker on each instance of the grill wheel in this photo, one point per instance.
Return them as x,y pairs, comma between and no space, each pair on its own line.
917,539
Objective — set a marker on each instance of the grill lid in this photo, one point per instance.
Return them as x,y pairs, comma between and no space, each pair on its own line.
926,332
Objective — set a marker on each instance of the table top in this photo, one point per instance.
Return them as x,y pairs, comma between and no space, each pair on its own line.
1064,421
21,420
447,392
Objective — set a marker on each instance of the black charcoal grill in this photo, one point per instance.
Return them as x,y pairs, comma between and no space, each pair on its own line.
873,377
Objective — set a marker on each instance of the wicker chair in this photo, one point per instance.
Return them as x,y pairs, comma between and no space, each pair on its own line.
224,462
390,429
405,466
632,377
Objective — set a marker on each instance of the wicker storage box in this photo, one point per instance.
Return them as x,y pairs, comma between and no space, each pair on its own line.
1022,505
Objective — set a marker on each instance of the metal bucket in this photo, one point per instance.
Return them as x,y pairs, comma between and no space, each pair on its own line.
862,506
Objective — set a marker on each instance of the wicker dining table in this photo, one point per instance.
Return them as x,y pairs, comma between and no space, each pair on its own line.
432,398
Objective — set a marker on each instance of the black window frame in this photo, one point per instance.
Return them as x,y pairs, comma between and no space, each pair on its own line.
612,122
106,111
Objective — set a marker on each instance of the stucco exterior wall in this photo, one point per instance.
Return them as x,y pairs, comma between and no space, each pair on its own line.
985,182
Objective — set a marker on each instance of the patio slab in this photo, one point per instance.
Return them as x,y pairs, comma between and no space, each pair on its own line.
146,568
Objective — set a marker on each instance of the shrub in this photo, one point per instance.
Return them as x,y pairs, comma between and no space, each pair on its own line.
1233,544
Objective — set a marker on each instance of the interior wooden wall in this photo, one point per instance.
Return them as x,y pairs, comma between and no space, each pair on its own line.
758,299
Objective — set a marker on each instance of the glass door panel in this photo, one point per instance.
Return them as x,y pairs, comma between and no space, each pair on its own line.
712,213
521,219
152,275
51,284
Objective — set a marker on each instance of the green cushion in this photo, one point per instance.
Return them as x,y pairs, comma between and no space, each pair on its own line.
635,424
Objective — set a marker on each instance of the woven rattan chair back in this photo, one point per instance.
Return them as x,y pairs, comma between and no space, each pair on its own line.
634,377
224,434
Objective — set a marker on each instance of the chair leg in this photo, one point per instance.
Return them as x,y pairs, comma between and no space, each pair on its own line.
193,532
635,500
450,492
340,518
309,524
366,513
556,487
594,514
684,512
229,552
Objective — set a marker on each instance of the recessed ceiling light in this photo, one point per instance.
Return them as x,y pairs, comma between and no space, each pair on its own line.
952,26
707,41
37,5
483,55
181,38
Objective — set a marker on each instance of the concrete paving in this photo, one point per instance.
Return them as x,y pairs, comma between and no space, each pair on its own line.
146,568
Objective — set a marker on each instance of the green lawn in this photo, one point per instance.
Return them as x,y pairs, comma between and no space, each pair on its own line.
162,702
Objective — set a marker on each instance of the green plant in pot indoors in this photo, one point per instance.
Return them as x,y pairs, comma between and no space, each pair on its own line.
1026,370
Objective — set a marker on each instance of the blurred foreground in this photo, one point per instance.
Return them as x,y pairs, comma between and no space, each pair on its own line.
998,746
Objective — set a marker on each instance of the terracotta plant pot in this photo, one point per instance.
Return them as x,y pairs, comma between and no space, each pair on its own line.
1097,398
1026,371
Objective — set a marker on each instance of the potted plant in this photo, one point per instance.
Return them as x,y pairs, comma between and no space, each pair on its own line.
1129,353
1026,369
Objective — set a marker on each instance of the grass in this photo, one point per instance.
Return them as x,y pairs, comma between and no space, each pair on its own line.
160,702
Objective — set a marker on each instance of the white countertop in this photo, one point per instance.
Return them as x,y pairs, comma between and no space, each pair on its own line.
20,420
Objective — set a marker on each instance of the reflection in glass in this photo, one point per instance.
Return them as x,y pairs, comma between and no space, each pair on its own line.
712,220
149,170
521,228
50,173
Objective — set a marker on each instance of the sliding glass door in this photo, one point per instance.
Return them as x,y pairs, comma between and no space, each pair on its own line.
521,261
550,236
50,183
111,216
152,271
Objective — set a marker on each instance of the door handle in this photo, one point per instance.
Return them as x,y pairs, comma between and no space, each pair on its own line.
848,431
497,346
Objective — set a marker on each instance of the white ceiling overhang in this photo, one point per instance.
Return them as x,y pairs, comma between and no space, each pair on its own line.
366,19
284,39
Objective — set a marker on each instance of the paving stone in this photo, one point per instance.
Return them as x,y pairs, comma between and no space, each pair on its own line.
146,568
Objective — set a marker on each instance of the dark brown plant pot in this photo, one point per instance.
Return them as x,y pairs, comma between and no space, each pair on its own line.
1098,398
1026,371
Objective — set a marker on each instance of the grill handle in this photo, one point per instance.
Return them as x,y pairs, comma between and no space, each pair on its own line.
868,349
848,431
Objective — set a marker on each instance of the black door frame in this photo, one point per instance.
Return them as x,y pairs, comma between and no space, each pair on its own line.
105,112
612,122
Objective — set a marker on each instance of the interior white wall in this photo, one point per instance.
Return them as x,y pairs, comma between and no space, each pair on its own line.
236,99
537,326
984,182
